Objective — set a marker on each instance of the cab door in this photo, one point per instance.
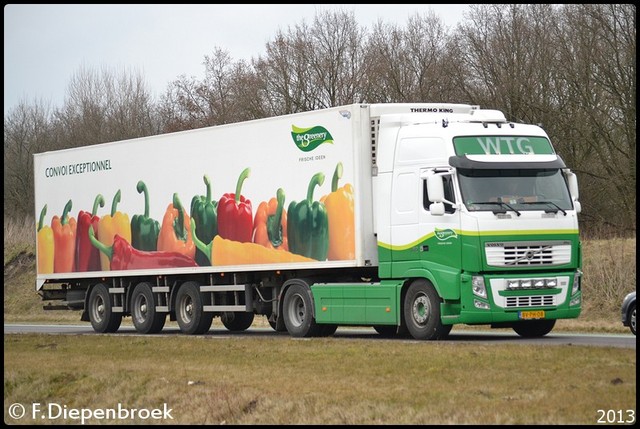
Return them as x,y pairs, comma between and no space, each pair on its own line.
441,250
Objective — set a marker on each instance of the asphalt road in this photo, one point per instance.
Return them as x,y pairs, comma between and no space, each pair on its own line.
456,336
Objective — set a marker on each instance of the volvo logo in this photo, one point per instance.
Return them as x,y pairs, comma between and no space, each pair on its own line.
530,254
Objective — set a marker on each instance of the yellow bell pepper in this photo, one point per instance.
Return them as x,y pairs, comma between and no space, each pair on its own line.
110,225
45,245
229,252
339,204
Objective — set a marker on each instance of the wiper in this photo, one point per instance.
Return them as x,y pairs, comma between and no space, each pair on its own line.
499,203
549,203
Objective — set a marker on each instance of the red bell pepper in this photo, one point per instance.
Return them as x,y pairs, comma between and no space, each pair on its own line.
123,256
235,215
87,256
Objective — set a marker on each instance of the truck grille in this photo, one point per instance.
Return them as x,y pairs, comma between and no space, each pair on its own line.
529,301
517,254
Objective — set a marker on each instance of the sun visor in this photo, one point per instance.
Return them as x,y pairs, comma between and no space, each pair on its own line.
492,162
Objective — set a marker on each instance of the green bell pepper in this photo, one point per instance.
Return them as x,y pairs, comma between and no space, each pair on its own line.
308,224
144,230
204,212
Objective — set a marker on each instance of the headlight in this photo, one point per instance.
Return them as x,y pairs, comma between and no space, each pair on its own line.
477,285
576,282
513,284
480,304
539,283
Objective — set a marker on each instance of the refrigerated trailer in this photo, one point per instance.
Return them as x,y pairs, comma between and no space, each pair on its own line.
408,218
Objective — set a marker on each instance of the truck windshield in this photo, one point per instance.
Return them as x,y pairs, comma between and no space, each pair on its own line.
513,190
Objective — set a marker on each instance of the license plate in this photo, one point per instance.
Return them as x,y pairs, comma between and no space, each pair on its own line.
528,315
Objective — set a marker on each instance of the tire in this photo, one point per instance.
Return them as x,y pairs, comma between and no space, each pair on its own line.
632,319
189,309
145,318
101,315
237,321
386,330
274,326
421,312
298,312
534,328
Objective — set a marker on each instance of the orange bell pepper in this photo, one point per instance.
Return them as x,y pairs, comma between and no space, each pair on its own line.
45,245
339,204
175,232
114,223
64,238
270,224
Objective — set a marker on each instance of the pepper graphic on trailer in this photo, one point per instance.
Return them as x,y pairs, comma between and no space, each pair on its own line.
205,214
64,238
235,216
123,256
175,233
144,230
339,204
308,225
270,223
110,225
45,245
87,256
221,251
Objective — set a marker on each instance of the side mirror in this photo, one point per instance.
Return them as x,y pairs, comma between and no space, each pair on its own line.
573,185
572,180
436,209
435,188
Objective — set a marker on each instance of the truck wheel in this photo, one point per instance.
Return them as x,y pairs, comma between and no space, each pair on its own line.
145,318
101,315
422,312
237,321
534,328
275,327
191,318
298,310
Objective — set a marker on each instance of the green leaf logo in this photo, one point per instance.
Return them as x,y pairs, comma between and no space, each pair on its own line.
307,139
445,234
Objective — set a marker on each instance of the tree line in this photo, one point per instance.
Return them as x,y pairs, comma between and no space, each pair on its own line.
570,68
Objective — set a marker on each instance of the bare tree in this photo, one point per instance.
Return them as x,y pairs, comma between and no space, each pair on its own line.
217,99
407,63
284,73
336,59
598,69
105,106
27,130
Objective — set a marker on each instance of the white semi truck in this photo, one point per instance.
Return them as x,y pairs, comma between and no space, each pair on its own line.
408,218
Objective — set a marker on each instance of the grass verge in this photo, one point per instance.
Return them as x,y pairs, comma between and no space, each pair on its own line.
320,381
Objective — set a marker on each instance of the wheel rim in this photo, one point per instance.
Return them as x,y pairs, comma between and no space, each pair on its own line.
140,309
98,309
633,320
297,310
186,309
421,310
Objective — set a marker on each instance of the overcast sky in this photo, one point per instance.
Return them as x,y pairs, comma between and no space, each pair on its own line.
45,45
